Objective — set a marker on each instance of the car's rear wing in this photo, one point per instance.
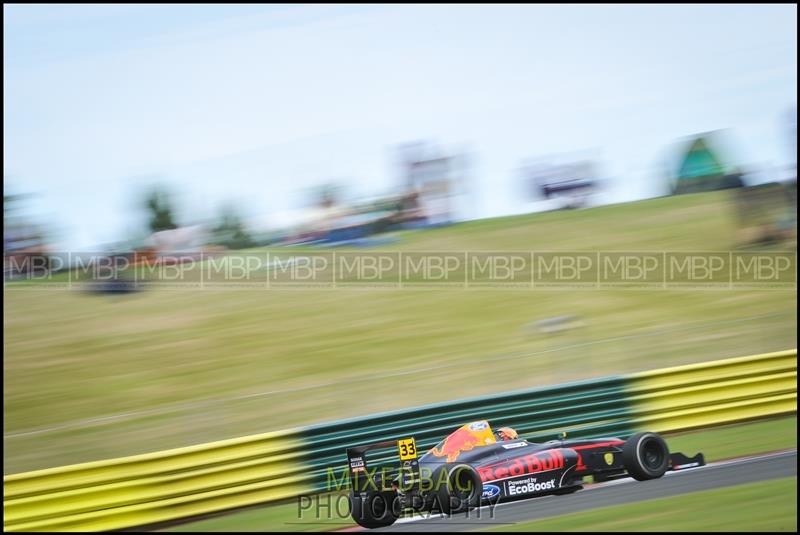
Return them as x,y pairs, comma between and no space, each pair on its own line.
361,478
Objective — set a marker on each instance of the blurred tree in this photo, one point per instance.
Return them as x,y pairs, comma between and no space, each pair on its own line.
328,194
158,204
231,232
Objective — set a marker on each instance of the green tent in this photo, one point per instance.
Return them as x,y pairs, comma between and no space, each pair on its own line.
702,170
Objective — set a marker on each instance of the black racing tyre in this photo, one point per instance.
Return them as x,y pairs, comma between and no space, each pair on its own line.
375,508
462,490
645,456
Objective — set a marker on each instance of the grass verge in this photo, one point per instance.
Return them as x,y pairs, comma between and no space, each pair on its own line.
762,506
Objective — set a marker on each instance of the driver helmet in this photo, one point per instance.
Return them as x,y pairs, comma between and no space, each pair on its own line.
506,433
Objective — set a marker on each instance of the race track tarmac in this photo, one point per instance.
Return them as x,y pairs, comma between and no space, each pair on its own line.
711,476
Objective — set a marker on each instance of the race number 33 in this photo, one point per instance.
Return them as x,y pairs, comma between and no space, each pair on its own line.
408,449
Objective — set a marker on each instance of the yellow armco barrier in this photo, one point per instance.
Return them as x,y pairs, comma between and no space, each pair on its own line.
717,392
156,487
185,482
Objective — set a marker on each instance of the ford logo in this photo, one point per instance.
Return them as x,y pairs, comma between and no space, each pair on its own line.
490,491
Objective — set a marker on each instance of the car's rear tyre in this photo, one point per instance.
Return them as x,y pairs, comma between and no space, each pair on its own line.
461,490
375,508
645,456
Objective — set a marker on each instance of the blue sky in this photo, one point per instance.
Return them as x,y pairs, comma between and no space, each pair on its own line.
257,104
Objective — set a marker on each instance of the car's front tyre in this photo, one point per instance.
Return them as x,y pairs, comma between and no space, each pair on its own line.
645,456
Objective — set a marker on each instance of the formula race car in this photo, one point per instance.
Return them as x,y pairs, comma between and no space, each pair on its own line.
473,466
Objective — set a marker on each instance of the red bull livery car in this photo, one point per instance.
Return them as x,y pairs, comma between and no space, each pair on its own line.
474,466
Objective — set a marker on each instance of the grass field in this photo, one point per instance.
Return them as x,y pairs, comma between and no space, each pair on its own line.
716,444
759,507
89,377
